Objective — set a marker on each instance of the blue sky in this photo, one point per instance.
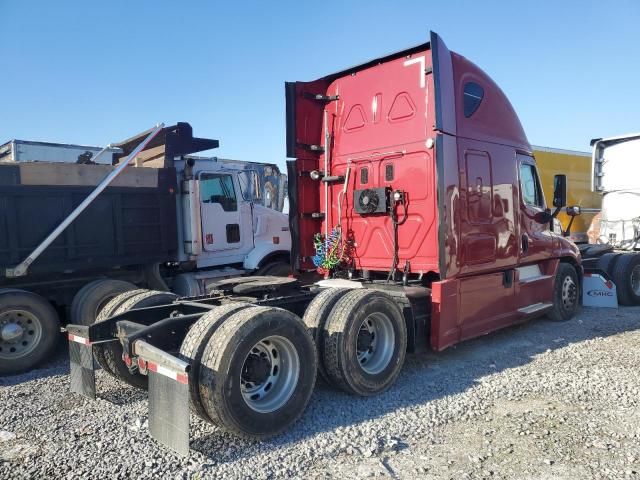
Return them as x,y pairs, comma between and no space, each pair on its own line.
95,72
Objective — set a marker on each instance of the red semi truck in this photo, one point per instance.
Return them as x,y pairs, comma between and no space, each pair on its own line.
414,190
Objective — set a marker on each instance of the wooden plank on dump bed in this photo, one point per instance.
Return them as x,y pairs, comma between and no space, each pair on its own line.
84,175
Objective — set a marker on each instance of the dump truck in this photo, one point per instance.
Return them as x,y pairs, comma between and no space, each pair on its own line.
414,191
69,242
576,166
615,250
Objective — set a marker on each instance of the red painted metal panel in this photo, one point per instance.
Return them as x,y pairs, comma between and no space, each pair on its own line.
382,120
445,329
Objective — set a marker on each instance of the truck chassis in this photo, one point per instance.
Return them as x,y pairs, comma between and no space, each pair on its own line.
175,349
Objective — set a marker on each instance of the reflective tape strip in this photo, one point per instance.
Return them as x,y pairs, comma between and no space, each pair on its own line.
77,339
177,376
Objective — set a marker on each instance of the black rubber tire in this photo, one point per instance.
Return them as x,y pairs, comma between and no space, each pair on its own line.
341,336
113,350
93,297
223,361
194,344
621,275
45,314
106,312
276,269
315,317
561,312
606,262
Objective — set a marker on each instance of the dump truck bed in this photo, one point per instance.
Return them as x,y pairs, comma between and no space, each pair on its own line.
132,223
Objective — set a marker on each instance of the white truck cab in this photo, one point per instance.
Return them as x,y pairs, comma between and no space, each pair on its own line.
231,218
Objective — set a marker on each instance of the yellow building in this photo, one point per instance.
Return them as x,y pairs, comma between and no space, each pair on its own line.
577,167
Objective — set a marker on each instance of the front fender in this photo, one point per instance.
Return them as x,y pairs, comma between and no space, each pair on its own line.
254,257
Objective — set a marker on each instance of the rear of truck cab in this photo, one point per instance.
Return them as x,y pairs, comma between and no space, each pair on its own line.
431,125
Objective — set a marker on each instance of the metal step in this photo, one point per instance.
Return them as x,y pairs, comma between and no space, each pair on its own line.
535,278
536,307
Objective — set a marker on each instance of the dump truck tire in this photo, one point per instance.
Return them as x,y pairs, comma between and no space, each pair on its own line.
29,330
194,345
315,318
365,342
566,294
106,312
258,372
113,350
93,297
626,275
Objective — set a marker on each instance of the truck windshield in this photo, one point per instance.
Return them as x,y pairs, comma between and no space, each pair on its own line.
218,188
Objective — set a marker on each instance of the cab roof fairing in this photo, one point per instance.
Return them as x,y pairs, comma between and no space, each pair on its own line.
496,121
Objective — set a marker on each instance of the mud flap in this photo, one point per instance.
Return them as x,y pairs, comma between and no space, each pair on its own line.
82,374
168,396
598,291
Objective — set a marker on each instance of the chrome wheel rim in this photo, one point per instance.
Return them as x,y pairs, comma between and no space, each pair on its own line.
635,280
569,292
375,343
269,374
20,333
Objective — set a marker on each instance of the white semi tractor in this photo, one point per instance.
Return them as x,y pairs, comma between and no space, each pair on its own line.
615,243
73,235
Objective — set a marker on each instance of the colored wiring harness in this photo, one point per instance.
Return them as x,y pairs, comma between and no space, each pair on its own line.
329,251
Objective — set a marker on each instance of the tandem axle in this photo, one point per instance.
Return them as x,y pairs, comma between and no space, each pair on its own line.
242,356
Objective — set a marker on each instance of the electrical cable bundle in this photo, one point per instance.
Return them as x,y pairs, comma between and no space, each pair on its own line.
329,251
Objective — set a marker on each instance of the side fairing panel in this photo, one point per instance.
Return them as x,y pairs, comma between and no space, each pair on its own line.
304,129
445,111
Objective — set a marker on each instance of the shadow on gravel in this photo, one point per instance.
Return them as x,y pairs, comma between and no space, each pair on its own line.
122,396
426,377
57,364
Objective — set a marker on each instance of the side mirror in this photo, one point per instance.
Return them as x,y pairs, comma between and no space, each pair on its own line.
559,191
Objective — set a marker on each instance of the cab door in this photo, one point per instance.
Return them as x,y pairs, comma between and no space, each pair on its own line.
226,217
535,270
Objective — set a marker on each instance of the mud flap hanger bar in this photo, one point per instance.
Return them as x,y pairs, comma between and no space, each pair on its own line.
162,334
83,337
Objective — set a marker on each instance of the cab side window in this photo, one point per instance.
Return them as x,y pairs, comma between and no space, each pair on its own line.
530,186
218,188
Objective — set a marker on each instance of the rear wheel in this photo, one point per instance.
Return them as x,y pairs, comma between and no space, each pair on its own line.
365,342
626,275
194,344
93,297
315,317
108,311
113,350
566,294
29,330
258,373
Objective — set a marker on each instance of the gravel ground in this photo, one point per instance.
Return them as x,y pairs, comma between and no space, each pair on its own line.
541,400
